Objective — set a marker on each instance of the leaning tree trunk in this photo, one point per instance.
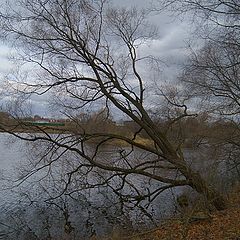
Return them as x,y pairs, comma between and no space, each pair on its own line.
214,197
198,183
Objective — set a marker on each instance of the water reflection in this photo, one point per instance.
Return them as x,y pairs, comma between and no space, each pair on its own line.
49,206
39,208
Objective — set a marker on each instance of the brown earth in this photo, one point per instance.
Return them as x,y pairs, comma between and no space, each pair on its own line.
220,225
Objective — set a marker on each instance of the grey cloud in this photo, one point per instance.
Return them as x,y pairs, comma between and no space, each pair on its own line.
169,46
134,3
5,63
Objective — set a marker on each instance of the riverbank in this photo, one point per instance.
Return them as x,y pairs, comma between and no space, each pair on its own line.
221,225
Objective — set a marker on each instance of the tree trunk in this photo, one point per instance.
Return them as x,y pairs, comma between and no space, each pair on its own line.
196,181
201,186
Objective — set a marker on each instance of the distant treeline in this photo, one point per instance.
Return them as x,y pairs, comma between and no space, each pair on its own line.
189,132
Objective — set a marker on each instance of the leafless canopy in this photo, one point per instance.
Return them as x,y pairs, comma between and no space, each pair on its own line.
88,52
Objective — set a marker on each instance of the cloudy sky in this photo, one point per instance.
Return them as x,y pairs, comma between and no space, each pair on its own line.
170,46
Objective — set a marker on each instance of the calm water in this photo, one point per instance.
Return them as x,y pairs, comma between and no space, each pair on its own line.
32,210
27,211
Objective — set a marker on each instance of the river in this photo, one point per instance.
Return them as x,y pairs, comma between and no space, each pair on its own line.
32,209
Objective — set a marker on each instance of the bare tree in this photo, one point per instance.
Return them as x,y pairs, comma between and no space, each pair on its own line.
212,73
224,14
90,52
